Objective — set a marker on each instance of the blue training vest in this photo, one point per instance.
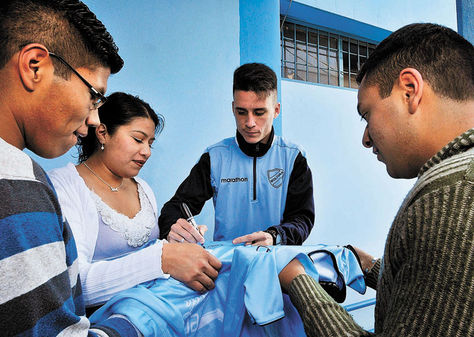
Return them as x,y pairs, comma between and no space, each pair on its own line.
249,192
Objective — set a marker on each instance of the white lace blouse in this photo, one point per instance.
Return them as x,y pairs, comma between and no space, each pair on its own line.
105,240
119,234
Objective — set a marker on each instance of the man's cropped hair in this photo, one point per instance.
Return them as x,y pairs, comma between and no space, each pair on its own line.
256,77
65,27
443,57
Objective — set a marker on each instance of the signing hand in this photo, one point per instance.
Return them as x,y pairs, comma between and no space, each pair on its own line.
182,231
190,264
256,239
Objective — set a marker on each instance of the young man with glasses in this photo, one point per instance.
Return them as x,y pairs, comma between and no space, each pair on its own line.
98,99
55,60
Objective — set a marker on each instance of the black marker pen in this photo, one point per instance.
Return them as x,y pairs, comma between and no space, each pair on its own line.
189,216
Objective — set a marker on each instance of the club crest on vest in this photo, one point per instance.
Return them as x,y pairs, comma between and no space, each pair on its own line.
275,177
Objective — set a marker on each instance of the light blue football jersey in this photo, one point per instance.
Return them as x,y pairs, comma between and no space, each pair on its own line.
247,299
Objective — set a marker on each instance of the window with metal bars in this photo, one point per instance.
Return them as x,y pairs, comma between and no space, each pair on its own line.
318,56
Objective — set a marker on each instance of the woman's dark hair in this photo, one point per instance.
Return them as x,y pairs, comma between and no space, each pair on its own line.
119,109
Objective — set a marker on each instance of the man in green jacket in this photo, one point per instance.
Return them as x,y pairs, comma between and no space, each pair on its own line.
417,96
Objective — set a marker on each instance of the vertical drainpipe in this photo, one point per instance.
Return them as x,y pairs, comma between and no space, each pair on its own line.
260,39
465,16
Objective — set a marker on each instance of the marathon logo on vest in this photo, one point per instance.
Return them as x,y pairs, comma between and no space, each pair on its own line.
275,177
234,180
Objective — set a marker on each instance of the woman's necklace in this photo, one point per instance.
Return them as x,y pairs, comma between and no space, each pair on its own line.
113,189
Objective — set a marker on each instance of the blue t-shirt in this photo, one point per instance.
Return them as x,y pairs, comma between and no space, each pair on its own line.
247,298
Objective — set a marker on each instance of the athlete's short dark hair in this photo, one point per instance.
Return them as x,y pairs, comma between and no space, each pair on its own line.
255,77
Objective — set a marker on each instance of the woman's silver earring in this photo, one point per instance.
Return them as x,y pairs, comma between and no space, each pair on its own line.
102,147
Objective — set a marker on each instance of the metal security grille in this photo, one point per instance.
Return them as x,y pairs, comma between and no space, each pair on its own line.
318,56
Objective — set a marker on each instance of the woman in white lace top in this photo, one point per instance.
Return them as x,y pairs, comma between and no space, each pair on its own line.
113,213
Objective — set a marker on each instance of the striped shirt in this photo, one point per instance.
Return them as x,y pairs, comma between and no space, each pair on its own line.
40,291
426,284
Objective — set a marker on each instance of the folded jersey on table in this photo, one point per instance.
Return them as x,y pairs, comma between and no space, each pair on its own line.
247,299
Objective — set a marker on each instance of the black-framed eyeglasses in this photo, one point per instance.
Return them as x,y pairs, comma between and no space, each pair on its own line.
98,99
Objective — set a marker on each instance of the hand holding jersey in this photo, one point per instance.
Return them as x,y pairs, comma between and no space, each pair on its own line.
259,238
183,231
190,264
289,273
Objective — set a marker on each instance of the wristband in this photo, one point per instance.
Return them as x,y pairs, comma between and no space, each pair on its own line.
276,237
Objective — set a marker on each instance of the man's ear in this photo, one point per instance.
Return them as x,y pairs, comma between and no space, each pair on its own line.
101,133
33,64
277,110
411,83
